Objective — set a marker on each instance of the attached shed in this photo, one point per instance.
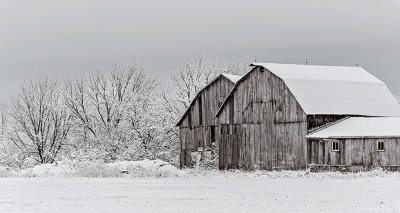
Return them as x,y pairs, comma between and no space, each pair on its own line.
264,121
197,124
356,143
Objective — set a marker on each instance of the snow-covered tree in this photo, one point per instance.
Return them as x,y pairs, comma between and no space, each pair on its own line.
193,75
112,109
3,121
117,113
40,122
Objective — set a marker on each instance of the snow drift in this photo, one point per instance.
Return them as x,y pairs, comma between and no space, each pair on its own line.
144,168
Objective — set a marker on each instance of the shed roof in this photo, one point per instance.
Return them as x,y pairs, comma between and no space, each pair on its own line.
229,77
335,90
361,127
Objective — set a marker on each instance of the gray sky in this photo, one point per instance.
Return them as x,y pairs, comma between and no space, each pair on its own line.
72,37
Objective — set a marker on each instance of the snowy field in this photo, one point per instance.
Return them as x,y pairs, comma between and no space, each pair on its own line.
208,192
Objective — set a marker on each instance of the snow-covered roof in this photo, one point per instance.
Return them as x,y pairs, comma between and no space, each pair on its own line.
231,78
361,127
336,89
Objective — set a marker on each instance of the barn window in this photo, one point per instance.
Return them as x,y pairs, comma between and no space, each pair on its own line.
200,111
335,146
381,146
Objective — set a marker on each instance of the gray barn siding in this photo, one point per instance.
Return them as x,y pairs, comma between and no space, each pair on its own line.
262,126
354,154
193,134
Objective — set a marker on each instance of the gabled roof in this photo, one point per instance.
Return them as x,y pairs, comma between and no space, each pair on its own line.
361,127
229,77
335,90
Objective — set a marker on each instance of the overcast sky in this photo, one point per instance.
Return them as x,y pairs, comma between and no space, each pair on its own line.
71,37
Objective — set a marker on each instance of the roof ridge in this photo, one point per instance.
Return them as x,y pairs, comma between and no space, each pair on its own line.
306,65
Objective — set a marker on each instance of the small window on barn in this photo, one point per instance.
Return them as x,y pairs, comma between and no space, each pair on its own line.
335,146
381,146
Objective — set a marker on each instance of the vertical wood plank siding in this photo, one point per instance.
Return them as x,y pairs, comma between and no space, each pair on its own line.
354,154
194,134
262,126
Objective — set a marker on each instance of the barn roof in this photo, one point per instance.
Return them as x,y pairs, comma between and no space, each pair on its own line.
229,77
232,78
361,127
335,90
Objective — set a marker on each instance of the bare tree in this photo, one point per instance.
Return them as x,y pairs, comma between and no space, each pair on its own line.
78,103
114,95
120,113
40,121
108,105
3,121
189,78
197,72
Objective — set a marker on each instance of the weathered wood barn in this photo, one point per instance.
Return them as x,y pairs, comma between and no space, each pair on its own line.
356,143
264,120
197,124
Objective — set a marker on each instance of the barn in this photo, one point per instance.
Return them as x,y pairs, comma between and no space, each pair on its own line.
264,121
198,122
272,117
356,143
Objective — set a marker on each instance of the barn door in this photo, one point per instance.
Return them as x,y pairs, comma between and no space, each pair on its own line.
229,152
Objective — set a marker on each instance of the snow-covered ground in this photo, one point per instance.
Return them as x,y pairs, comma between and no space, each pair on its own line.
214,191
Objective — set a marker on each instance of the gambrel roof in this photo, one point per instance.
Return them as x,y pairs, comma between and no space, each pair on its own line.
361,127
229,77
334,90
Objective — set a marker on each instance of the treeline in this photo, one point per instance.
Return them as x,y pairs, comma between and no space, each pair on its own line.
122,112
